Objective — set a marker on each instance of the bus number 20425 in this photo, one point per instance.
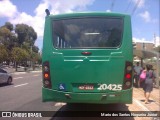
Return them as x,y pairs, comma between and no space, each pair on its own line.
113,87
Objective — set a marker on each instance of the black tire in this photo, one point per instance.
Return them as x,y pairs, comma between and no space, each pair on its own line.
9,81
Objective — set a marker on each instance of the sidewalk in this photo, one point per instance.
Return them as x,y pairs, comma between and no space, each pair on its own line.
154,99
20,70
155,94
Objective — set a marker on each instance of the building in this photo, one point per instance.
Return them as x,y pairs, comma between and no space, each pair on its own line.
144,46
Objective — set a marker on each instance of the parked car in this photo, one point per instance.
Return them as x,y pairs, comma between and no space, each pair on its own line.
5,77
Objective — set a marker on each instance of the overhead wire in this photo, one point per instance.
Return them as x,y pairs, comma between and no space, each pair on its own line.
135,7
112,5
128,6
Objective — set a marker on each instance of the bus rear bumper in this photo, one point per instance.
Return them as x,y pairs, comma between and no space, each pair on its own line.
124,96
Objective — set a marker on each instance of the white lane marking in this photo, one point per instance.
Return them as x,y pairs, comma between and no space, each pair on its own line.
141,105
36,71
18,78
59,104
18,73
21,85
35,75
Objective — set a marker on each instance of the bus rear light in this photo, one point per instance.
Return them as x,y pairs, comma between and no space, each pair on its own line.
127,81
46,82
127,85
46,75
46,69
128,76
129,68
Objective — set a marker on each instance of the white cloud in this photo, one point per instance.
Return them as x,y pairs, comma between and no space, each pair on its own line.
39,11
140,3
63,6
157,41
37,21
7,9
108,11
147,17
22,18
141,40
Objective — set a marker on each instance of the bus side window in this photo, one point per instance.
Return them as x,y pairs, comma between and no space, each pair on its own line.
63,43
57,42
60,42
59,38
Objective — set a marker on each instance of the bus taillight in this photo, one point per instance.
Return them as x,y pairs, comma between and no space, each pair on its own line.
128,76
46,75
127,82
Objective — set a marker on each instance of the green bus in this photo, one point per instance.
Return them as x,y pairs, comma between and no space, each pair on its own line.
87,58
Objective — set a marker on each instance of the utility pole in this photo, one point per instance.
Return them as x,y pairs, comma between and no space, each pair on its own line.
157,62
31,56
154,38
157,69
143,48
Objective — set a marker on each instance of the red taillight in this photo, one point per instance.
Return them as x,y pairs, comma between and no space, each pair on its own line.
127,82
46,75
128,76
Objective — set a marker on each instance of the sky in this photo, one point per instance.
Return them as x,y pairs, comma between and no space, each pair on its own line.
145,14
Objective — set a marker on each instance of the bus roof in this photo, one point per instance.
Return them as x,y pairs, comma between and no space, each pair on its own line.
88,14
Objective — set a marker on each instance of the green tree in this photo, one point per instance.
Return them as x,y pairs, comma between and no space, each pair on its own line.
26,39
4,35
12,39
21,30
9,26
8,39
3,53
35,49
19,55
25,34
31,36
35,58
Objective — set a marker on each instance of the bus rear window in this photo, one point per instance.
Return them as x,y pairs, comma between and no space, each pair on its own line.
96,32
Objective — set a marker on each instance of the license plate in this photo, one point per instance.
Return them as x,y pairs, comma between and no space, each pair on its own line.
86,87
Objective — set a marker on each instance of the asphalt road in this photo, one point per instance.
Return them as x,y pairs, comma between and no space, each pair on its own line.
25,95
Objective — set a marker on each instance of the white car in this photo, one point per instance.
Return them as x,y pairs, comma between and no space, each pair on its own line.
5,77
